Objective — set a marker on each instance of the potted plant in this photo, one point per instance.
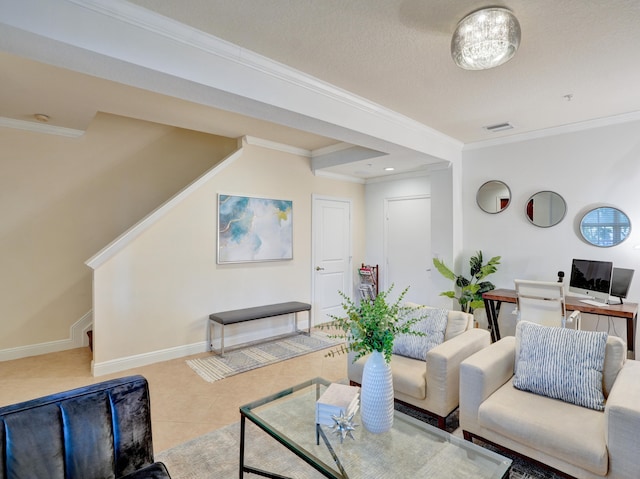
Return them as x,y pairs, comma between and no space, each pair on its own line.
471,289
373,324
370,327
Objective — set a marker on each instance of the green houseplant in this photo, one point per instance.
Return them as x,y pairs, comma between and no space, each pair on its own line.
373,324
370,328
471,289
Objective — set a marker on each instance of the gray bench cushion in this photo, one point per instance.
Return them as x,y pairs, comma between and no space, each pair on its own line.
258,312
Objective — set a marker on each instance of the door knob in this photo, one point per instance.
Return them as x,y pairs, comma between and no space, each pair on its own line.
318,268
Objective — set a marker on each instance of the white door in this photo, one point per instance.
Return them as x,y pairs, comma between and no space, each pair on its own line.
408,247
332,269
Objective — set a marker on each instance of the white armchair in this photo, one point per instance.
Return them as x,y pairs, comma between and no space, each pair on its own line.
433,385
576,440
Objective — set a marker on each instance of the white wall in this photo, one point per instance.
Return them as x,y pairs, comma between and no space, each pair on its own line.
593,167
152,300
437,185
445,229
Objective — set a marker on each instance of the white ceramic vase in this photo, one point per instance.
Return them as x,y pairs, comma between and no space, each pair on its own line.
376,396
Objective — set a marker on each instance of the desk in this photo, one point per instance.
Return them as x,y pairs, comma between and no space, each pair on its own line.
493,300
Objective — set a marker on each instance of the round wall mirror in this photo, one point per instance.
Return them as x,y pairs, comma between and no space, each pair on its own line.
605,226
545,209
493,197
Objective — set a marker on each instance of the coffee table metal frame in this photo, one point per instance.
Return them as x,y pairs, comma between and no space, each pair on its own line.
333,471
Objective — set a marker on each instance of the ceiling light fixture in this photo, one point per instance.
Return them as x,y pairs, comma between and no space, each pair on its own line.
389,168
41,117
485,39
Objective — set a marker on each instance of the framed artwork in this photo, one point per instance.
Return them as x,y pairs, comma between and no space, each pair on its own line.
254,229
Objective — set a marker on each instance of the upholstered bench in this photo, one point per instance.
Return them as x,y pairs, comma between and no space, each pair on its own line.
98,431
250,314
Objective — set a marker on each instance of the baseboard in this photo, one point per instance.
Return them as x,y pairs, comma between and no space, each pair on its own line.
138,360
78,339
130,362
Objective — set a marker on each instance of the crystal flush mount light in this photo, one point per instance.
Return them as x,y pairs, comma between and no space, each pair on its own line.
485,39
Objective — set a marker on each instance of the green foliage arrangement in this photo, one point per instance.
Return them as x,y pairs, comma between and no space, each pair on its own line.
373,324
470,289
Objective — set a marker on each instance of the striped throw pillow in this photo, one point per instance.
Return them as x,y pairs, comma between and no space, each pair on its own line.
433,325
561,363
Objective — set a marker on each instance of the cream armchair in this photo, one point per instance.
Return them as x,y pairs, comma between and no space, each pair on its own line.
578,441
433,385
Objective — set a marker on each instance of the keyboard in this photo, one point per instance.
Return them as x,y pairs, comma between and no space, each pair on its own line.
594,303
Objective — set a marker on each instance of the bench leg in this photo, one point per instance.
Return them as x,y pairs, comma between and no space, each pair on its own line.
295,326
222,340
210,337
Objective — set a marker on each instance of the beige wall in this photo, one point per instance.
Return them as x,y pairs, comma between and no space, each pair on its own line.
63,199
157,293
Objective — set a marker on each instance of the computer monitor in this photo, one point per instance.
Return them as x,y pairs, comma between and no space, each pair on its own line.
620,282
591,278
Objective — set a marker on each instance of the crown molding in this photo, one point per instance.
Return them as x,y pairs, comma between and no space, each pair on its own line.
337,176
146,19
559,130
331,149
274,145
147,50
40,127
399,176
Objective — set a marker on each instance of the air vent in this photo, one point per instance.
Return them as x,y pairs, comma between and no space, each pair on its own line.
499,127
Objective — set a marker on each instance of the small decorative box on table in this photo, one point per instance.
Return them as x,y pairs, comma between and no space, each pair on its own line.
336,407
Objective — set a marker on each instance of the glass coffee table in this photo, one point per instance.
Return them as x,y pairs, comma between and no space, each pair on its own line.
411,448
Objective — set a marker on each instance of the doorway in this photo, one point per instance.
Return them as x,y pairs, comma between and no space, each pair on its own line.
408,247
331,256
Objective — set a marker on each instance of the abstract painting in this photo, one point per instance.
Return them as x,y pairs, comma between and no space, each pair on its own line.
254,229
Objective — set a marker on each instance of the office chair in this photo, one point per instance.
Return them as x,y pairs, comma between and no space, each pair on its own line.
543,302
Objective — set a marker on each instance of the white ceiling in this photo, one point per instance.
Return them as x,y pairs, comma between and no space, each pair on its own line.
392,52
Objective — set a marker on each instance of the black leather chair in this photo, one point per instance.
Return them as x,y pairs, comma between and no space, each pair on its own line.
98,431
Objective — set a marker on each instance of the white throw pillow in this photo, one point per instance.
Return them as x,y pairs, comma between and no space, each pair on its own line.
615,355
561,363
433,325
457,324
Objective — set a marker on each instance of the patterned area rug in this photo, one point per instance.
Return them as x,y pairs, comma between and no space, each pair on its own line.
238,361
216,454
521,468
